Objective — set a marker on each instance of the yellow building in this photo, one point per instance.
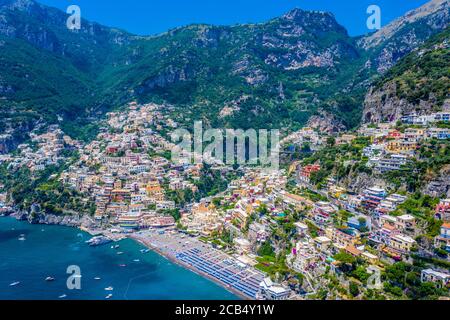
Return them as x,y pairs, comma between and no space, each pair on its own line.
402,243
401,146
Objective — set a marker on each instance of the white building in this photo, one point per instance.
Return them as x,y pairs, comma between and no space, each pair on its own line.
440,278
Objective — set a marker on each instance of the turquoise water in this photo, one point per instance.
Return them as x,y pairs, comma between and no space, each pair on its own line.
49,250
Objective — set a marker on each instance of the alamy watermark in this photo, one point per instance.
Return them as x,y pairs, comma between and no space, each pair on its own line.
74,20
227,146
374,281
374,20
74,280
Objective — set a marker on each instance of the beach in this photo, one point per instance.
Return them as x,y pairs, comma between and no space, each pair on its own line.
204,260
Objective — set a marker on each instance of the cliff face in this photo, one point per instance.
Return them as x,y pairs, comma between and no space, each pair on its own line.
326,122
7,143
403,35
384,105
419,83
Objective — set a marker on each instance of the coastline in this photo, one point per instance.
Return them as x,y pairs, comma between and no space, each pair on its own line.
148,245
143,242
151,278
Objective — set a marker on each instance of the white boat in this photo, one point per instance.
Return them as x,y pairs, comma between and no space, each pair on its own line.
109,289
49,279
109,296
62,296
98,241
14,284
137,260
22,237
97,278
119,253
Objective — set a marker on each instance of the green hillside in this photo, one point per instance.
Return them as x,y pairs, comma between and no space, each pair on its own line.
273,74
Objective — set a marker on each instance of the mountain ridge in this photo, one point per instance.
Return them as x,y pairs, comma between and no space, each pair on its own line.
279,73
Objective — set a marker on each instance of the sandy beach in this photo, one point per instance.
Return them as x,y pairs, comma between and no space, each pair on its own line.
171,245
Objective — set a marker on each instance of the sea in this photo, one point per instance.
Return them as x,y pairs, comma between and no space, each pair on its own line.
29,254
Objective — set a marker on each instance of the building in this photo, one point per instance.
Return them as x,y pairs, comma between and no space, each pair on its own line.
402,146
421,120
415,134
342,237
258,232
243,246
439,278
360,222
301,228
322,212
404,223
306,171
322,243
443,210
443,239
130,221
345,139
292,199
442,117
372,197
402,243
391,163
438,133
270,291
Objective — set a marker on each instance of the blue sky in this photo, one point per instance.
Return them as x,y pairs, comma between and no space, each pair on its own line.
148,17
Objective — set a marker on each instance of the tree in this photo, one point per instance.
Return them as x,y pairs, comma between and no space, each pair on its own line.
353,289
266,250
361,274
331,141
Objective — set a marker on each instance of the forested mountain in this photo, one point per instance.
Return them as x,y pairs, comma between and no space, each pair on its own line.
273,74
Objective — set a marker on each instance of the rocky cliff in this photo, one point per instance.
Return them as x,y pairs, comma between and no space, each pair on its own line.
419,83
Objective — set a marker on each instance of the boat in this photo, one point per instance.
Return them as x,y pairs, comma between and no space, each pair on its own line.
98,241
137,260
49,279
97,278
62,296
145,250
14,284
109,289
109,296
119,253
22,237
122,265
